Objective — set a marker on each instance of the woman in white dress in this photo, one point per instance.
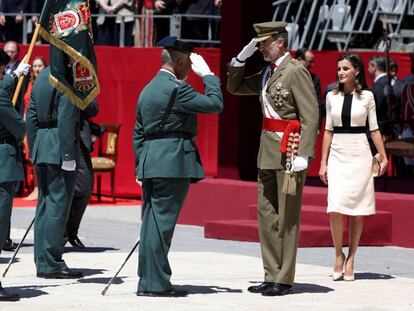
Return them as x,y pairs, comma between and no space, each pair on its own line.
346,165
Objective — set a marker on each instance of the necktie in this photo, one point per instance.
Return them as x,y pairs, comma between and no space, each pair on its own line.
272,69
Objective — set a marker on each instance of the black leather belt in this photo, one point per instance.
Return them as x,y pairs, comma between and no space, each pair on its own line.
350,130
166,135
48,124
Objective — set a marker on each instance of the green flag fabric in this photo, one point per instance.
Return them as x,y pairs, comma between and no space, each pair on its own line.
66,25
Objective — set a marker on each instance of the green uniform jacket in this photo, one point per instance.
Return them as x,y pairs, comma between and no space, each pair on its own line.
172,157
300,104
51,145
11,126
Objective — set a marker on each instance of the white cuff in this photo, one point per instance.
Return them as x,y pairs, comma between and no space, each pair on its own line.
69,165
300,163
235,63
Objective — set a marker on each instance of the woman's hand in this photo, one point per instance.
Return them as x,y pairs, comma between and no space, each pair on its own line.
383,164
323,173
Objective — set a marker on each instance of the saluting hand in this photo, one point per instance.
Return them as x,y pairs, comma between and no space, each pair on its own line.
199,65
247,51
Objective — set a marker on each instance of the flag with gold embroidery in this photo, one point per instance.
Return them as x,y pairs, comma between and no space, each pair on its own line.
66,25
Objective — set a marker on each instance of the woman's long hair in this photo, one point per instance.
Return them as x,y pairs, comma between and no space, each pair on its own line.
360,80
43,60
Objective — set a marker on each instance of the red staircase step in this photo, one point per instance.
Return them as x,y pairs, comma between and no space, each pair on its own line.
246,230
315,229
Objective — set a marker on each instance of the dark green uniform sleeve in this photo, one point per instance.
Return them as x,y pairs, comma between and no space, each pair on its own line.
190,101
67,123
7,83
10,118
32,123
138,138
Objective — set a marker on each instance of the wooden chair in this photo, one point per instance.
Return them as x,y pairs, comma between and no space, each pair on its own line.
106,160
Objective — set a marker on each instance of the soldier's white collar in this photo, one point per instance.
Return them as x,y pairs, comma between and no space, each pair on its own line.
171,73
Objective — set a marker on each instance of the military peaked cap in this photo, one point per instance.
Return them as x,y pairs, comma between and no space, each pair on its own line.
174,43
265,30
4,58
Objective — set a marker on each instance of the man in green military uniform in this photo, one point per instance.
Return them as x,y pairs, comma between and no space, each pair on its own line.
53,135
289,108
167,160
11,168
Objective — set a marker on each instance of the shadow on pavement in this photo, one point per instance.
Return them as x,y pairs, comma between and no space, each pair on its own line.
200,289
4,260
29,291
89,249
117,280
373,276
87,272
302,288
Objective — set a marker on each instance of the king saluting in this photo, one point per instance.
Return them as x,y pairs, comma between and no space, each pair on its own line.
287,143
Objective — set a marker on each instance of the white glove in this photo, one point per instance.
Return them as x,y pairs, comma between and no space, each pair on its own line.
199,65
300,163
23,68
69,165
247,51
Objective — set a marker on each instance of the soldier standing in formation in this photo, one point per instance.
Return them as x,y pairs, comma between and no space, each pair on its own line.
12,132
53,134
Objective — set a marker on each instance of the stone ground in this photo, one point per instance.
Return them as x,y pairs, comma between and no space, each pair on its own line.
216,273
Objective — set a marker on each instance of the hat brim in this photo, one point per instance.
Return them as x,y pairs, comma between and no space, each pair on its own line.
260,39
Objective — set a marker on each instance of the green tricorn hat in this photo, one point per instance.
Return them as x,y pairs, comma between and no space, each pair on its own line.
265,30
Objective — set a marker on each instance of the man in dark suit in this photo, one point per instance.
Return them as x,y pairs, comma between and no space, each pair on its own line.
84,177
12,131
13,24
377,71
307,58
13,50
53,134
167,159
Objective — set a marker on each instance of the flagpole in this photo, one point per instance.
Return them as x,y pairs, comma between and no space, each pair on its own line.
26,60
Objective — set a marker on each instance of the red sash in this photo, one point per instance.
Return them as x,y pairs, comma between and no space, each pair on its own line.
285,126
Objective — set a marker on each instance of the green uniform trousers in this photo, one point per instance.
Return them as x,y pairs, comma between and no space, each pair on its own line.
6,204
56,188
163,199
279,218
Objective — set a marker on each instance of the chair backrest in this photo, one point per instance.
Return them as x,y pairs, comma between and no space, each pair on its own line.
341,16
386,5
407,104
293,35
108,143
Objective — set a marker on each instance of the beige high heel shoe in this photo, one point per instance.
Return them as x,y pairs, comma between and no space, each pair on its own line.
336,276
349,277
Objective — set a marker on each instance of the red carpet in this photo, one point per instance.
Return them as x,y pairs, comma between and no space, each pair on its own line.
105,201
227,210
